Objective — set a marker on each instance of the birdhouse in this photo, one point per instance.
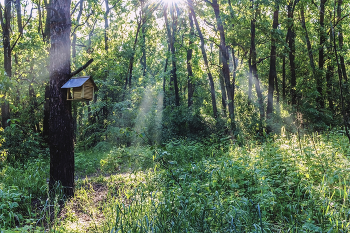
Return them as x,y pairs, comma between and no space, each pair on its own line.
80,88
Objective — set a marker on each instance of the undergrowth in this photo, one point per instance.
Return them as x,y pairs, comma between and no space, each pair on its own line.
288,183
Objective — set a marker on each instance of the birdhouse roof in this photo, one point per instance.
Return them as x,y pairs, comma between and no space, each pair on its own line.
77,82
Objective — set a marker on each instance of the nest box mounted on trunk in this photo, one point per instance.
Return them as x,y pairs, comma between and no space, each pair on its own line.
80,88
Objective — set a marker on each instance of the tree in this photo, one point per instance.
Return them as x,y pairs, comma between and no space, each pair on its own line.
60,121
273,57
205,58
225,60
291,45
319,78
171,40
253,67
6,27
190,85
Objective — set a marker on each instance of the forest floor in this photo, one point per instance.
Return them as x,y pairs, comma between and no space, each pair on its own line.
286,183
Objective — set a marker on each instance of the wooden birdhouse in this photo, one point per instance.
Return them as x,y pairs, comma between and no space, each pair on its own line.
80,88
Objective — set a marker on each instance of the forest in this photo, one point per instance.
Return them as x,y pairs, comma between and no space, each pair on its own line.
175,116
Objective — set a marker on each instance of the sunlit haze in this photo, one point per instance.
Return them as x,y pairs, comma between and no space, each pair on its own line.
173,1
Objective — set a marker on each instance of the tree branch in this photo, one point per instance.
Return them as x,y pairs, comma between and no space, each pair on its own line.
208,2
1,18
81,68
75,7
21,34
345,16
261,60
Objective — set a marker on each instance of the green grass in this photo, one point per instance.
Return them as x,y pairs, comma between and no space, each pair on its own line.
288,183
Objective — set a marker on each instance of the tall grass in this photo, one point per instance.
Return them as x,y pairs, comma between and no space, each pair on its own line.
288,183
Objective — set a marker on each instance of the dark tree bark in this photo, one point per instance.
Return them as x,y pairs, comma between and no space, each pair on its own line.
341,42
319,76
225,61
75,121
61,121
166,68
205,58
284,78
19,16
222,85
329,75
341,88
6,27
143,42
234,61
291,45
5,113
308,43
190,87
254,70
250,80
131,62
46,33
46,38
171,39
273,72
106,25
277,90
40,17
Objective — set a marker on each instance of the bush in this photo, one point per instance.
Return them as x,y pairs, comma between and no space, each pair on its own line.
20,143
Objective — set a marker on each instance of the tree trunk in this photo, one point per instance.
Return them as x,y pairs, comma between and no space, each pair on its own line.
222,85
235,61
171,39
6,38
341,87
46,34
329,75
319,76
5,113
273,72
106,25
225,67
165,69
172,48
131,63
291,45
40,26
250,80
341,42
6,27
205,58
308,43
19,16
61,121
46,38
143,46
277,90
284,78
254,70
189,63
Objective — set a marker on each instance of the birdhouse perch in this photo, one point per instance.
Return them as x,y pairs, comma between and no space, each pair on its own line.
80,88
